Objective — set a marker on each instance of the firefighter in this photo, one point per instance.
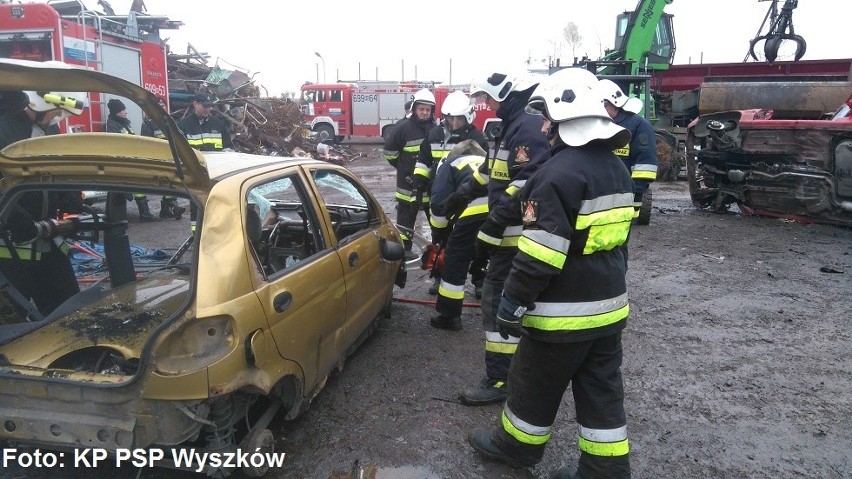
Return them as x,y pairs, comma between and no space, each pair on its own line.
566,295
519,151
640,155
204,132
168,204
37,264
460,164
456,126
117,122
401,150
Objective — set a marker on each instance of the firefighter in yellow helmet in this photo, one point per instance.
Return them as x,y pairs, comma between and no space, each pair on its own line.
566,294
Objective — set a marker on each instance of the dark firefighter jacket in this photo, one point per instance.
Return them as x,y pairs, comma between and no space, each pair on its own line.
117,124
640,155
402,148
151,129
438,144
459,166
206,134
520,150
576,211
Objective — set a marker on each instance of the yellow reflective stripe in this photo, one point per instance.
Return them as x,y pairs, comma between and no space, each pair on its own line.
494,343
517,184
412,146
606,202
64,247
390,155
482,180
488,239
523,431
452,291
422,170
439,222
607,449
511,190
499,169
23,253
604,217
574,323
514,231
546,247
623,151
404,197
644,175
476,207
608,236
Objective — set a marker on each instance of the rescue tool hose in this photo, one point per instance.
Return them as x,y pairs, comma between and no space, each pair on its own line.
431,302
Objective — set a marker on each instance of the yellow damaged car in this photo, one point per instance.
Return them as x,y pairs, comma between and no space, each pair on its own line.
189,345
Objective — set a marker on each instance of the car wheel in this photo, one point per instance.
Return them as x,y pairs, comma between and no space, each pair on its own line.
324,132
261,441
645,210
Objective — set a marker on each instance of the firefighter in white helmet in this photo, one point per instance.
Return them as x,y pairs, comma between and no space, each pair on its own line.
640,155
457,233
34,262
401,150
566,295
519,151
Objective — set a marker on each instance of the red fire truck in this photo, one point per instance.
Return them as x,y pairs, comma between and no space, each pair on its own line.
126,46
370,108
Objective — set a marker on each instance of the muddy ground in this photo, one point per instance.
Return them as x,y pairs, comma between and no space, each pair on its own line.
736,363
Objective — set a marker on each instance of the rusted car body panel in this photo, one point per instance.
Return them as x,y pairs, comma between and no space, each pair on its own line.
797,169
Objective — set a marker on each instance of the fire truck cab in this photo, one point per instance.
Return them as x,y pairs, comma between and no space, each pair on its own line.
126,46
370,108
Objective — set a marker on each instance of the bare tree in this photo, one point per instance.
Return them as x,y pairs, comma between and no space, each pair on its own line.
572,37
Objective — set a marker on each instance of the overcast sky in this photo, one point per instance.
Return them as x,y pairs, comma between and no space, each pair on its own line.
455,41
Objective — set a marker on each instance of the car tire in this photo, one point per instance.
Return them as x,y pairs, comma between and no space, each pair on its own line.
262,441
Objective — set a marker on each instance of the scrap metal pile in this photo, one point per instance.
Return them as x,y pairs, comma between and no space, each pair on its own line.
259,124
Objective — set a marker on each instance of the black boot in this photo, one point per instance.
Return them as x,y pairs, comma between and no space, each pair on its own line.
443,322
489,391
565,472
170,209
145,215
483,441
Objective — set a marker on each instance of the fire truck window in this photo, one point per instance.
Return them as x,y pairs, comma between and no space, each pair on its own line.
321,95
336,95
308,96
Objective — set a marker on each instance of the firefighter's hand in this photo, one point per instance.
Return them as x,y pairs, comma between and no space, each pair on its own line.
509,316
418,185
440,235
490,235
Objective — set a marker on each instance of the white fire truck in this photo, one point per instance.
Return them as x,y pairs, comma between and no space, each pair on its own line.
369,108
127,46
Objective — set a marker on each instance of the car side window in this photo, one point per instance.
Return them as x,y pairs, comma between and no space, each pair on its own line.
281,226
349,208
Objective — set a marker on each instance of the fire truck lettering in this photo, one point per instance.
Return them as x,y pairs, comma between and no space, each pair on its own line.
363,98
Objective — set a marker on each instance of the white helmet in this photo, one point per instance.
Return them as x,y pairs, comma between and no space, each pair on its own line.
423,96
499,85
612,93
570,98
73,103
458,104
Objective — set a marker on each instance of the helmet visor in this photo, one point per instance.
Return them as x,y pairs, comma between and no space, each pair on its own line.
536,106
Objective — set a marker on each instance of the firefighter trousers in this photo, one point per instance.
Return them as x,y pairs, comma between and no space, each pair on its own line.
406,217
461,247
498,351
539,376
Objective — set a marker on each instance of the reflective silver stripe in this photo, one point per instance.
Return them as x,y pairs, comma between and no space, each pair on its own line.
413,145
604,435
518,183
494,337
502,154
514,230
462,161
645,167
552,241
438,221
590,308
524,426
421,166
403,191
452,291
604,203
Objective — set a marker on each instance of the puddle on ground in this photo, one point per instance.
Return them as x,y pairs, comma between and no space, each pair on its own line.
374,472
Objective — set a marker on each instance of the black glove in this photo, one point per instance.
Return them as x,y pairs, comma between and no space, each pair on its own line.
418,185
454,205
441,235
509,316
490,235
21,227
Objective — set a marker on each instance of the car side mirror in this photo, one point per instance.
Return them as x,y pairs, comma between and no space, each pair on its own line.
392,251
